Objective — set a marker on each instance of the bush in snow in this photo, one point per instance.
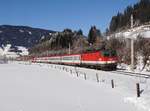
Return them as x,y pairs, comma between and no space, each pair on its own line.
142,46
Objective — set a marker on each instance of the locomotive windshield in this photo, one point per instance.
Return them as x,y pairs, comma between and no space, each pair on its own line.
109,53
106,53
113,53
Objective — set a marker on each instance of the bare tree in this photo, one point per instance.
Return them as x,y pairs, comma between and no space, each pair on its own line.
142,46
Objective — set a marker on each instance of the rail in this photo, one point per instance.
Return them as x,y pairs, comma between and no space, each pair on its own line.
132,74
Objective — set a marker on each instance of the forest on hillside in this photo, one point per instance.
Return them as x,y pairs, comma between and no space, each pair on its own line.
60,42
121,21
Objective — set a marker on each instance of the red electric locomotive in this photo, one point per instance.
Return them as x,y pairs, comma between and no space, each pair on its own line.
106,59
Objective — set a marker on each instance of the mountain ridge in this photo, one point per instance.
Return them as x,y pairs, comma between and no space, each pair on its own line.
18,35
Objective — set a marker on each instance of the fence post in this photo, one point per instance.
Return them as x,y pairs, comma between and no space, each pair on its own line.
138,89
66,70
77,74
112,83
70,71
85,76
97,78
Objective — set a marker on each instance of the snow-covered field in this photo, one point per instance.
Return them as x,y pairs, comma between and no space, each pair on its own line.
43,87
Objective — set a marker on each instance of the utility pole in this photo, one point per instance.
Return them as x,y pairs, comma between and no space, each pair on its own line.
132,46
69,48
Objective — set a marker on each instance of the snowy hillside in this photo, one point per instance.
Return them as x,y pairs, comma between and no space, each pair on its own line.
14,52
143,30
43,87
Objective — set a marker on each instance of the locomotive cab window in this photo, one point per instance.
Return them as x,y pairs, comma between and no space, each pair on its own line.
109,53
113,53
106,53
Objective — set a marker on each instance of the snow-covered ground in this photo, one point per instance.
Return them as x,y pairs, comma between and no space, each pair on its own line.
47,87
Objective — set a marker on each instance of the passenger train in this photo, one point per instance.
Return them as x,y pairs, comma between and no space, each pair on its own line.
104,60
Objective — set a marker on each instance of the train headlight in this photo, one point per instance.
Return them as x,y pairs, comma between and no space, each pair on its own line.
100,59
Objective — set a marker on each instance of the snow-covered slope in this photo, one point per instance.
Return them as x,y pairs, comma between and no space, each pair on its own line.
143,30
46,87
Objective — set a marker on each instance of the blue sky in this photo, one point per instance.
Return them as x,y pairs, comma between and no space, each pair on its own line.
60,14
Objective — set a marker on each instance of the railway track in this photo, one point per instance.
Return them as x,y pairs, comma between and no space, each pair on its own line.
122,72
147,76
